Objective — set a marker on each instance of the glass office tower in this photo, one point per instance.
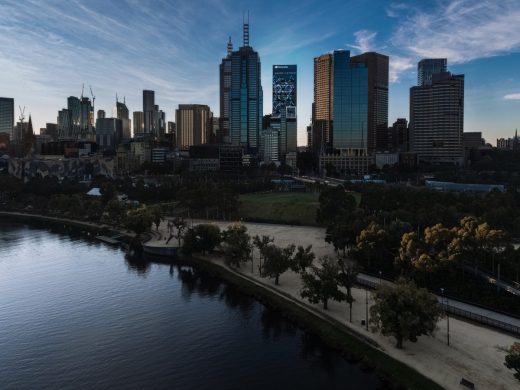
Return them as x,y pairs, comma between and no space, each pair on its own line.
7,116
241,96
350,104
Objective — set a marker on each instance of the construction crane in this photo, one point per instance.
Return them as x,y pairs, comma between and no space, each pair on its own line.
82,88
22,116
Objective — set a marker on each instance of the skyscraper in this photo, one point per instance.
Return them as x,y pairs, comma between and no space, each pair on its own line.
101,114
377,125
241,95
283,117
193,124
225,93
74,110
149,112
437,119
121,112
350,104
138,122
322,106
427,67
7,116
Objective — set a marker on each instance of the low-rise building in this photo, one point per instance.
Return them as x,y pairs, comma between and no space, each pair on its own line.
346,163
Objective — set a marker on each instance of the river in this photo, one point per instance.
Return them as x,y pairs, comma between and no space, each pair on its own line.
76,313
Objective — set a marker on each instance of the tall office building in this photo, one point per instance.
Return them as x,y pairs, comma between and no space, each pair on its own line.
377,125
284,115
437,119
121,112
7,116
138,122
159,122
428,67
109,133
86,119
350,104
101,114
269,146
149,112
322,110
398,136
241,95
193,123
74,122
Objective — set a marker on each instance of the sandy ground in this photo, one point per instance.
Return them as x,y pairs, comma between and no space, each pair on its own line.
475,353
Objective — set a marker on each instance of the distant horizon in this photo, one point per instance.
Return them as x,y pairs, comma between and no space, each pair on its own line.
174,49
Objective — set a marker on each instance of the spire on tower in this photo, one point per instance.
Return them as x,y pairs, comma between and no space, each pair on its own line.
229,46
246,29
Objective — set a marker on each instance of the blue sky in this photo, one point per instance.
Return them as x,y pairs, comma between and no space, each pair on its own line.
48,48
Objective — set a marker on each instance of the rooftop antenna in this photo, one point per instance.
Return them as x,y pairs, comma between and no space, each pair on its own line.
124,100
246,29
82,88
229,46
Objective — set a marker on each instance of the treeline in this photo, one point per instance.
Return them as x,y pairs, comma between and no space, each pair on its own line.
437,239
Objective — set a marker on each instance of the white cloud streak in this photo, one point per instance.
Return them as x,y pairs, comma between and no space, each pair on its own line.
512,96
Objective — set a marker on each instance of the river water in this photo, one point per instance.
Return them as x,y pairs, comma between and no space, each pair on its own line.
75,313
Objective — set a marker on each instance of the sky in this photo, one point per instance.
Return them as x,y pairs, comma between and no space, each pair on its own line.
49,48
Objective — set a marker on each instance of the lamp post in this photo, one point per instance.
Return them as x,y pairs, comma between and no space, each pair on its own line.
380,273
447,316
366,311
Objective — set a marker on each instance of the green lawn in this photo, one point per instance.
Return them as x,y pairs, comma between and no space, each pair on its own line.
280,207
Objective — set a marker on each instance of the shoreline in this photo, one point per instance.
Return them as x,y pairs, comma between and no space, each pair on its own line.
353,346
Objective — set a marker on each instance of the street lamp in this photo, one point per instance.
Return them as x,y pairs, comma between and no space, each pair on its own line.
447,316
366,311
380,273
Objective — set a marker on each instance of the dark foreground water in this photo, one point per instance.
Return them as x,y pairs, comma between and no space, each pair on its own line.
78,314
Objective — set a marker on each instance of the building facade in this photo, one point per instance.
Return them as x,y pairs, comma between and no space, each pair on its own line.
241,96
284,116
269,146
322,108
428,67
7,116
437,120
148,112
138,117
193,123
377,125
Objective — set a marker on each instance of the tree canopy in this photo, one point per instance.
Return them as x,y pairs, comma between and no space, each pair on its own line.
404,311
321,284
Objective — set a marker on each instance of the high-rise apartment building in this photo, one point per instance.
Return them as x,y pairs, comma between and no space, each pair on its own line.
437,119
428,67
284,115
241,95
7,116
138,122
377,125
149,112
398,136
193,123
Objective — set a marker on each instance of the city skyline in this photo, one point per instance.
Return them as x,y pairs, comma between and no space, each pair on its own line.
48,53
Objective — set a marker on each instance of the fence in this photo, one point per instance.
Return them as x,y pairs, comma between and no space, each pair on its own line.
459,312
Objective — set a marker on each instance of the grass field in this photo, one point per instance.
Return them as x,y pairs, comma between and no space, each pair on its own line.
280,207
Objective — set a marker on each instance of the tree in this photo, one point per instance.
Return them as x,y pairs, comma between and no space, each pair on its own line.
321,284
237,246
261,242
404,311
276,261
157,215
371,243
180,226
334,202
138,220
346,279
208,237
108,192
303,258
513,359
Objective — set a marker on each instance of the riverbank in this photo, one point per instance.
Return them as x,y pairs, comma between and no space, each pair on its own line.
354,347
476,353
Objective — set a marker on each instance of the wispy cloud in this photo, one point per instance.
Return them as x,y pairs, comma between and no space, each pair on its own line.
365,41
460,30
512,96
